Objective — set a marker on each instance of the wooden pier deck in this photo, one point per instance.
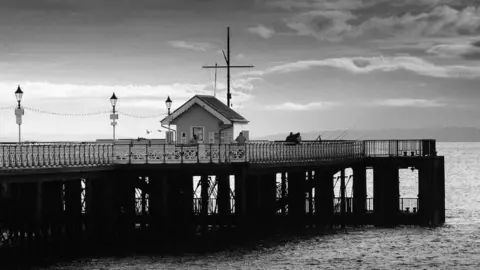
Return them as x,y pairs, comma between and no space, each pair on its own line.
60,194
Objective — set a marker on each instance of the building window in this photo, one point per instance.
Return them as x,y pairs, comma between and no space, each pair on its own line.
198,134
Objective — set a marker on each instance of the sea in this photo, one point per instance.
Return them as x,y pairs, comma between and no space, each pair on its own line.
456,245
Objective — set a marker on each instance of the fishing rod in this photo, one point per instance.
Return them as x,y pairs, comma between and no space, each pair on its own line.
345,133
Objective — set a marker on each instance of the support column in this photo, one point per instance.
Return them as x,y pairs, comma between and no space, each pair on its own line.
204,202
186,207
310,187
386,196
359,194
254,207
52,209
223,199
29,227
431,196
283,199
296,198
73,210
155,207
241,213
268,198
343,201
126,195
324,197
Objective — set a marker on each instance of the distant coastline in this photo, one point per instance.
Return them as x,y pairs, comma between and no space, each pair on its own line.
441,134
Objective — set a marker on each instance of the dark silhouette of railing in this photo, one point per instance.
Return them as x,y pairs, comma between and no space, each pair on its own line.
405,204
70,154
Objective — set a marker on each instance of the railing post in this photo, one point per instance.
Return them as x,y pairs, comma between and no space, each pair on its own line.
3,164
181,153
130,153
146,153
212,153
164,152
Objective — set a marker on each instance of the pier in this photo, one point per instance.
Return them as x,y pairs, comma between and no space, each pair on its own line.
61,194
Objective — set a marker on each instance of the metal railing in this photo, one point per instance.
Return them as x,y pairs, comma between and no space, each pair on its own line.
400,148
212,206
405,204
66,154
61,154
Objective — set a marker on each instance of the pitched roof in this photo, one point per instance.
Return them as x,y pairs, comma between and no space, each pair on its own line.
212,105
222,108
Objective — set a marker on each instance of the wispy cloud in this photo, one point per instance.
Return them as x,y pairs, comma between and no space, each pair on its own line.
365,65
407,102
337,24
329,25
261,31
150,96
290,106
317,4
466,51
189,45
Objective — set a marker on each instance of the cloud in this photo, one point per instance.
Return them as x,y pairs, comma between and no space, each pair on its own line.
317,4
290,106
329,25
407,102
148,96
194,46
440,21
465,51
261,31
365,65
336,25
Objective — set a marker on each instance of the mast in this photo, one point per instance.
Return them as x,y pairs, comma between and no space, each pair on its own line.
228,66
229,96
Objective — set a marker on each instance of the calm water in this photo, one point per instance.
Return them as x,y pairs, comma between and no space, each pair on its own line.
453,246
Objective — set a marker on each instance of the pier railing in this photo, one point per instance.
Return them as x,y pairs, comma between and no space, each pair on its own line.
70,154
54,154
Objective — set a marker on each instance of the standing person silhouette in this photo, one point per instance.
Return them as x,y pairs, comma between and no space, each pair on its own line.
241,139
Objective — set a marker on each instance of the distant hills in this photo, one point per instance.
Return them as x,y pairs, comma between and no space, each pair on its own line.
441,134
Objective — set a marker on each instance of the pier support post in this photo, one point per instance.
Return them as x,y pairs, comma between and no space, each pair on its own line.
343,200
386,194
126,193
267,198
310,185
155,207
324,196
52,209
296,198
432,191
254,210
359,193
73,211
283,198
241,212
205,202
102,210
224,206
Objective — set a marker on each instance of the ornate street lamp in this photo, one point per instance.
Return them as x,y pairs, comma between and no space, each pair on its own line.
113,115
19,112
168,103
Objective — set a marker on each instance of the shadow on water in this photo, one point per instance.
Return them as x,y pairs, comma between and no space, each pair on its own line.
208,245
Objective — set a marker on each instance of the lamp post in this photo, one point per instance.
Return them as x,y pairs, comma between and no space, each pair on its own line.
19,112
168,102
113,115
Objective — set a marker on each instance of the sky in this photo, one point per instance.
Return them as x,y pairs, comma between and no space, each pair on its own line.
318,64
